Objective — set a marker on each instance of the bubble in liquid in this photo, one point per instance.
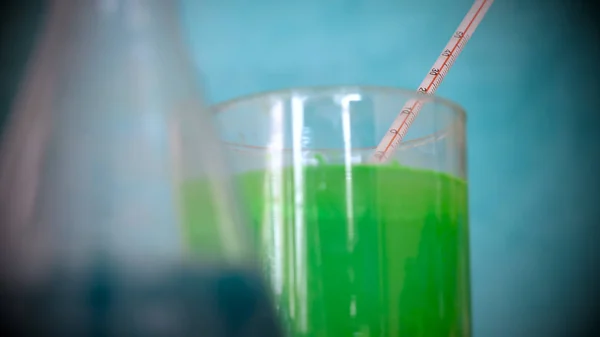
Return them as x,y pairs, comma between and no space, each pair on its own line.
320,159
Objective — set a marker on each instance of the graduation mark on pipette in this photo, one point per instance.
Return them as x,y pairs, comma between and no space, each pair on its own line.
432,81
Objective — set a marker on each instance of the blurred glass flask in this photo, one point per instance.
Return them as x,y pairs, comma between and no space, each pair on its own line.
106,125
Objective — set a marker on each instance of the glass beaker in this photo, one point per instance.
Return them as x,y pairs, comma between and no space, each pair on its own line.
108,123
353,248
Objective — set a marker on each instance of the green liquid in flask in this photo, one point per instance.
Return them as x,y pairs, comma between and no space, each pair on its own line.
384,253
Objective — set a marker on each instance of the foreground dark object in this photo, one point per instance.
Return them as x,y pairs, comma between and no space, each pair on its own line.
183,302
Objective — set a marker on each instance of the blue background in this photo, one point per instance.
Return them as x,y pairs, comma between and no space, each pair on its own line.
527,81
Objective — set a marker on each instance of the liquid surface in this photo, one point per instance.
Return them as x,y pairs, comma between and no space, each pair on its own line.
182,302
370,251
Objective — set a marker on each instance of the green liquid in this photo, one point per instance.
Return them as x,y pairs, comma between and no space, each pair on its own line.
376,251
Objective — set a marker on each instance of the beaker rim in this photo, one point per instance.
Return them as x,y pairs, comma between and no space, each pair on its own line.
456,109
